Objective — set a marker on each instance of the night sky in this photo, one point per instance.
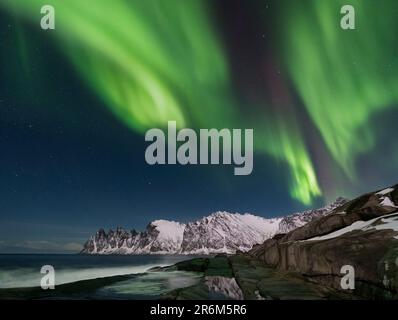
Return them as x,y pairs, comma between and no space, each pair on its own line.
75,103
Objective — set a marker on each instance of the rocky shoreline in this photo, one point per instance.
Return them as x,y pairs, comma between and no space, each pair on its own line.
242,277
305,263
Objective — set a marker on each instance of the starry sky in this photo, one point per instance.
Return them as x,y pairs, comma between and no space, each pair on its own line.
75,103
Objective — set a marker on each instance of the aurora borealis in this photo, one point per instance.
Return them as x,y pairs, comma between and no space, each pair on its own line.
321,100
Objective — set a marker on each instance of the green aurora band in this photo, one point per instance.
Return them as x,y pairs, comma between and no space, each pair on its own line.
154,61
344,77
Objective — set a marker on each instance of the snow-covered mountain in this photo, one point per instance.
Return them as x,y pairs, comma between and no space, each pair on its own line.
160,236
220,232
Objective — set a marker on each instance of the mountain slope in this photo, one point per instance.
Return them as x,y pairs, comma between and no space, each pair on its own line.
220,232
296,220
224,232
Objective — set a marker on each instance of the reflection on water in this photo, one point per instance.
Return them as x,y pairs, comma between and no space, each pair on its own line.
225,286
149,285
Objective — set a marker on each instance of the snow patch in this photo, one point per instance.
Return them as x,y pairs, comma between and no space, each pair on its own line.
388,222
385,191
386,202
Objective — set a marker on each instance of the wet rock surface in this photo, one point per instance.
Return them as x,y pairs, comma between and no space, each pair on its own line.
242,277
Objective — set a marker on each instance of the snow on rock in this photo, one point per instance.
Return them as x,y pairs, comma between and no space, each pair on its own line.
386,222
385,191
170,232
386,202
389,222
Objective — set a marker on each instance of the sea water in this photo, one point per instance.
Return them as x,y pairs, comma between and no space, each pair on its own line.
23,270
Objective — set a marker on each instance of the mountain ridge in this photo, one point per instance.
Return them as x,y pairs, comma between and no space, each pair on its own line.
220,232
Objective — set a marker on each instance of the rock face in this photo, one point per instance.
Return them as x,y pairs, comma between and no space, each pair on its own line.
221,232
362,233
